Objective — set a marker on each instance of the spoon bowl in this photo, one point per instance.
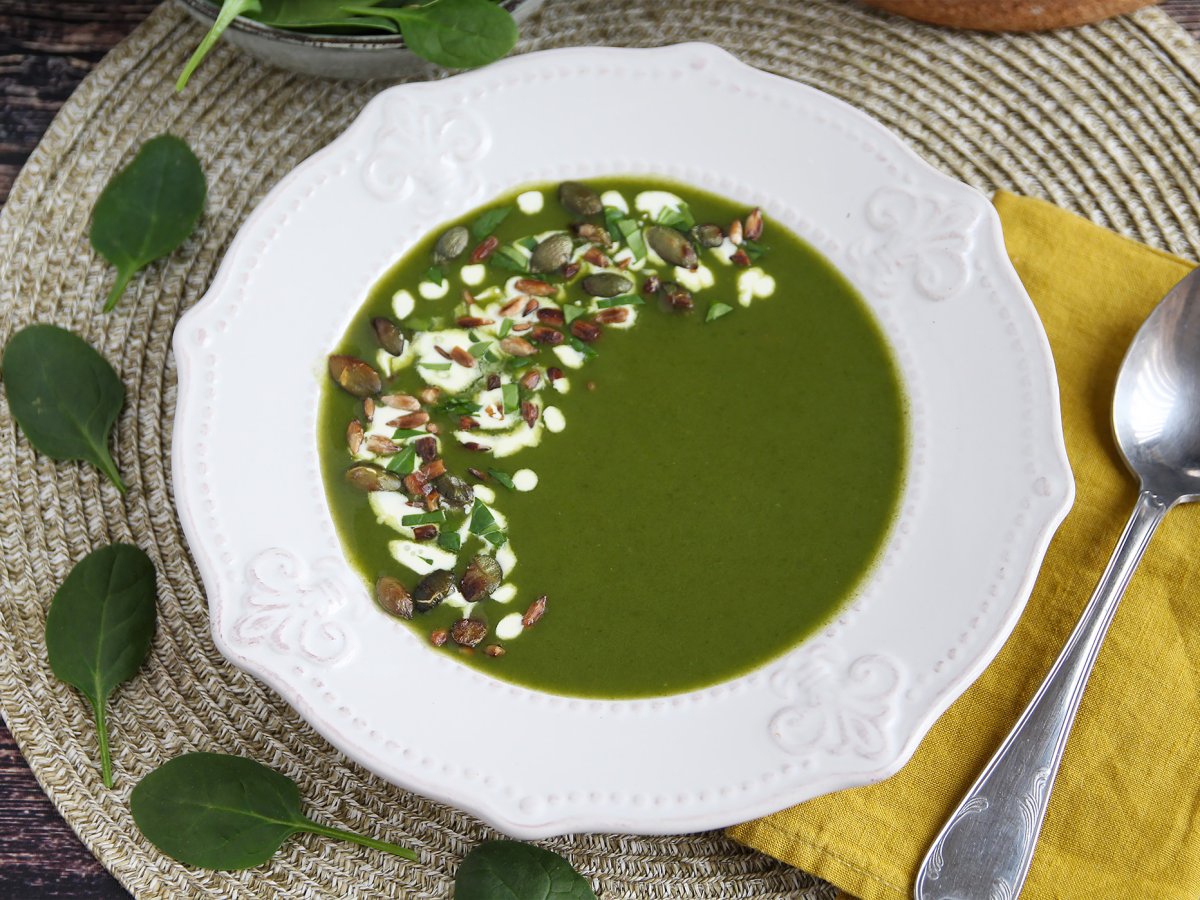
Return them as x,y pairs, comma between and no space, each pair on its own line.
985,849
1156,407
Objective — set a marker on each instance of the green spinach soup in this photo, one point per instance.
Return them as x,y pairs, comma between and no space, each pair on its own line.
615,439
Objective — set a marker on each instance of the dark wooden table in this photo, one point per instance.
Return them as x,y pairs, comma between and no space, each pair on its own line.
46,47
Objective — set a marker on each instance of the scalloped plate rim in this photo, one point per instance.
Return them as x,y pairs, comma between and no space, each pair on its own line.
493,812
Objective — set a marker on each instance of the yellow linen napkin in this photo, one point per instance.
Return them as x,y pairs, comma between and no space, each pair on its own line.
1124,820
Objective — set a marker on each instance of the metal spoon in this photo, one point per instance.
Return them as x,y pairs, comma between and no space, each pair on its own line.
985,849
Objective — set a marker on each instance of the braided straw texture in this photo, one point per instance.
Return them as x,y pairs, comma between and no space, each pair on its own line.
1100,120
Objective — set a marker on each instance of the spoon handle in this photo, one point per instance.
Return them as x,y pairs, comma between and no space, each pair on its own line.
984,850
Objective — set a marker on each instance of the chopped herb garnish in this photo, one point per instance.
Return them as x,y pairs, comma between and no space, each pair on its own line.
458,406
505,327
582,347
435,367
426,518
631,233
612,216
626,300
755,250
512,397
401,433
495,538
489,222
509,258
450,541
478,350
680,218
434,274
528,242
717,310
517,363
503,478
404,462
417,324
571,312
482,520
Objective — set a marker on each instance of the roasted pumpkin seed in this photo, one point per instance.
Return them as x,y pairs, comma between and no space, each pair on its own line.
515,346
552,253
754,225
673,246
481,579
369,478
607,284
355,376
389,335
468,632
354,436
455,491
451,244
433,589
708,235
394,597
579,199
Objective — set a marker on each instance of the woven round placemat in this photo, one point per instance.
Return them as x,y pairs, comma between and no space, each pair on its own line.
1101,120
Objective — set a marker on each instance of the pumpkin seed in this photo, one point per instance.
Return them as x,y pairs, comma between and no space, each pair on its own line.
535,287
404,402
390,337
354,436
552,253
433,589
481,579
468,632
585,331
394,597
708,235
673,246
607,284
454,491
355,376
676,297
451,244
593,234
534,614
372,478
754,224
579,199
515,346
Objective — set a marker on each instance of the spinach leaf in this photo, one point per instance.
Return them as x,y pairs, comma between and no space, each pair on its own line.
510,870
458,34
230,10
322,15
489,221
148,208
226,812
64,395
99,628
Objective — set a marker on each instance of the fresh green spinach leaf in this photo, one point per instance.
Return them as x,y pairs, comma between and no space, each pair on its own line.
64,395
458,34
510,870
226,812
230,10
148,208
489,221
99,628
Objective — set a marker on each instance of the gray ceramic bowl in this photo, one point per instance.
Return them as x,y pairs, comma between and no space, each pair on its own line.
332,56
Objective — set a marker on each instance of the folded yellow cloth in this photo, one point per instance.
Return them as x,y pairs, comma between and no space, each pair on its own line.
1124,819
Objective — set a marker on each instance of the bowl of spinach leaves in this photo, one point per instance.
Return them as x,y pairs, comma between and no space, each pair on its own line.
360,39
